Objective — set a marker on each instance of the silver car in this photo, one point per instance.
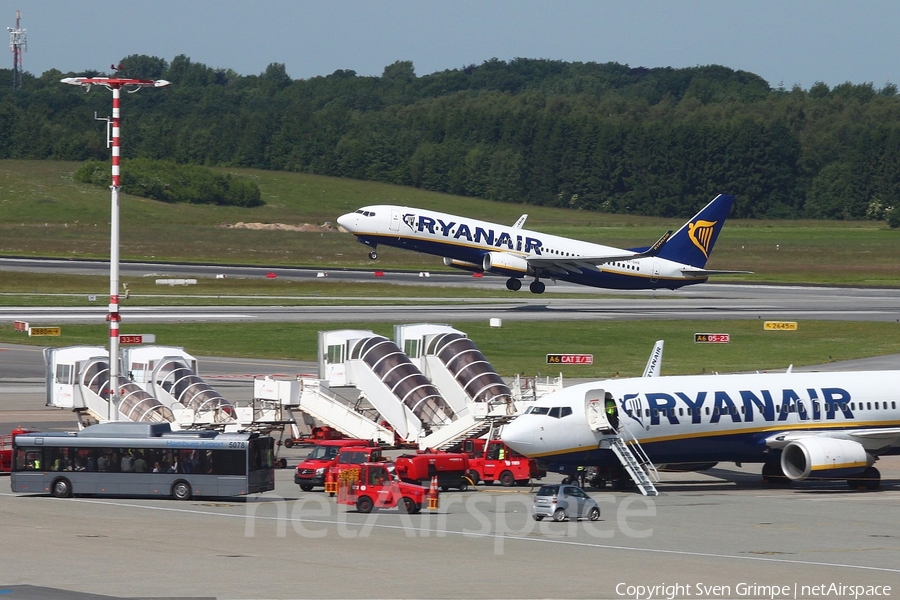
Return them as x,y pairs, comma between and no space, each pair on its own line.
563,501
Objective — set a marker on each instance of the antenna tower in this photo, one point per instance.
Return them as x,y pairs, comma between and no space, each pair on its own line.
17,45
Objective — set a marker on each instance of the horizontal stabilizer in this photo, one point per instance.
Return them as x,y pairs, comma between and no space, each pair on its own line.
709,272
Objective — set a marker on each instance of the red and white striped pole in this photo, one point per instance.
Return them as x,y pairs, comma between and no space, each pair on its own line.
115,84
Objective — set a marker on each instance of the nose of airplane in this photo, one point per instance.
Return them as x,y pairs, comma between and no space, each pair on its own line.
519,436
347,221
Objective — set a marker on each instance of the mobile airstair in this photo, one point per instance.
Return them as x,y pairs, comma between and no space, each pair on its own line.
620,440
169,374
312,398
78,379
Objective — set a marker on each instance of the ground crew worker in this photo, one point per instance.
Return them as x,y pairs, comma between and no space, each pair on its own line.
611,414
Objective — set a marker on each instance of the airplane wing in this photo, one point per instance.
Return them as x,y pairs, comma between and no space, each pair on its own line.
707,272
578,264
873,440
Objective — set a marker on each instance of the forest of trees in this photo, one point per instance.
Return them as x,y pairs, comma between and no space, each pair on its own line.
591,136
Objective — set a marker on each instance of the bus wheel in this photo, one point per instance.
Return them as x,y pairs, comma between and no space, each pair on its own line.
364,505
62,488
181,490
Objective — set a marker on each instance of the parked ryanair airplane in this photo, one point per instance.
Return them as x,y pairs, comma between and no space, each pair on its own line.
672,262
798,425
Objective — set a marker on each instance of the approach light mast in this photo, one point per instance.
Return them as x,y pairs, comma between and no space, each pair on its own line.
115,84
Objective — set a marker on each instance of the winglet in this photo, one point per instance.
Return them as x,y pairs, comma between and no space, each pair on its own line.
521,222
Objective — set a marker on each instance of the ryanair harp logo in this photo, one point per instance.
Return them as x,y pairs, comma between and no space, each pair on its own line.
700,233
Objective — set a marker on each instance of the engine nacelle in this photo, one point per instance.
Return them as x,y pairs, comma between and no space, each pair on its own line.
461,264
505,263
823,457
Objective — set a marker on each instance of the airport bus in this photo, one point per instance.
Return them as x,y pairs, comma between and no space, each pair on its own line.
142,459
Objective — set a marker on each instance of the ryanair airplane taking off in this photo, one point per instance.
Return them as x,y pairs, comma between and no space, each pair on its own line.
799,425
672,262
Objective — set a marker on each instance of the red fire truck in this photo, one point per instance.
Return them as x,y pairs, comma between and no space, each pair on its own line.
492,460
450,469
371,486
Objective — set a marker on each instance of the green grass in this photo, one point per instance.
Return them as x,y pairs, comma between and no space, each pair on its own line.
43,212
521,347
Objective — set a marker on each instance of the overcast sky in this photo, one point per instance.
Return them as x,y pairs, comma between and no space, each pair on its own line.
785,42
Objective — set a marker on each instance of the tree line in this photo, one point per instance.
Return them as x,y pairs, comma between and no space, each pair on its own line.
591,136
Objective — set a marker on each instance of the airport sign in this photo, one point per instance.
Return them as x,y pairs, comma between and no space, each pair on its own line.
712,338
780,325
139,338
44,331
570,359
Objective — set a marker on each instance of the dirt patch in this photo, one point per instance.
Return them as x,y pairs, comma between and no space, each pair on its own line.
278,226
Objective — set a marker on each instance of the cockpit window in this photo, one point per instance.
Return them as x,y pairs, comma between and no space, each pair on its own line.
365,213
540,410
554,412
566,411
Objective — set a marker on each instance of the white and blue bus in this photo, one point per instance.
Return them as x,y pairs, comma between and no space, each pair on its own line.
143,459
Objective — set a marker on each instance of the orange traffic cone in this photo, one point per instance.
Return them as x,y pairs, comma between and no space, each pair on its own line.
330,484
433,494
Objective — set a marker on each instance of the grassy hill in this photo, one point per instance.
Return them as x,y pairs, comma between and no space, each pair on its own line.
43,212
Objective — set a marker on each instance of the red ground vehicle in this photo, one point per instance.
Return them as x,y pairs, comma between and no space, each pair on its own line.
450,469
317,435
6,449
492,460
311,472
370,486
351,456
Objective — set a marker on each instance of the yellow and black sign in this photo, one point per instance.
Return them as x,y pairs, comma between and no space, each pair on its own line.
36,331
780,326
570,359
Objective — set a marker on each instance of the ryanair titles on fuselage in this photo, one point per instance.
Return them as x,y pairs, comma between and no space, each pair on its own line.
747,406
473,233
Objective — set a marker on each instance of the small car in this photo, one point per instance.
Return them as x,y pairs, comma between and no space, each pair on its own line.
564,501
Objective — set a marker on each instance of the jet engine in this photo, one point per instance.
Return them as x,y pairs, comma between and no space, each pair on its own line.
506,264
823,457
461,264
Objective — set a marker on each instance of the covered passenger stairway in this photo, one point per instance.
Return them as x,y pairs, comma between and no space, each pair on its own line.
615,436
78,379
448,358
170,374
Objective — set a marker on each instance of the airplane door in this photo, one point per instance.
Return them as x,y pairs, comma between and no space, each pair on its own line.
395,220
655,276
595,411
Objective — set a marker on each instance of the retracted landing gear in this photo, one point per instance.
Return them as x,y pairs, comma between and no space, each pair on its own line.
513,284
537,287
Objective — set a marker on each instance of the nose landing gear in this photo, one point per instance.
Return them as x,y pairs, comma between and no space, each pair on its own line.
373,255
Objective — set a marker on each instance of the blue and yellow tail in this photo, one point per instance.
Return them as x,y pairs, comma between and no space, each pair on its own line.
693,243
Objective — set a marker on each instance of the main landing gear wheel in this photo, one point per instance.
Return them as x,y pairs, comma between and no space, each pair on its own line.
537,287
773,475
513,284
373,255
